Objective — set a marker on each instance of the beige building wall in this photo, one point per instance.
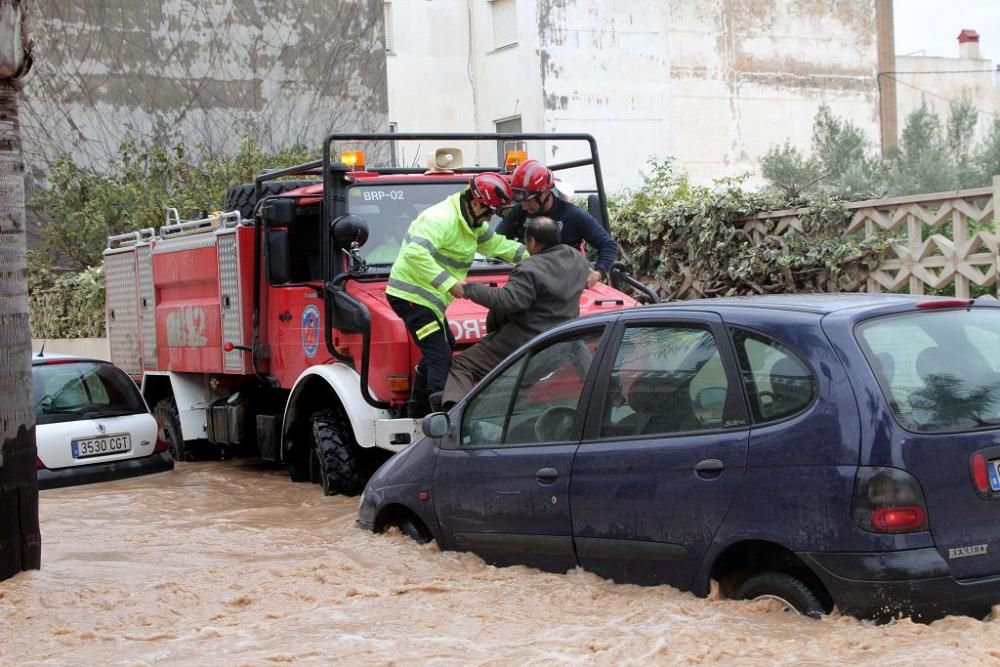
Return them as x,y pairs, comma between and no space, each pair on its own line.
92,348
712,83
937,81
746,75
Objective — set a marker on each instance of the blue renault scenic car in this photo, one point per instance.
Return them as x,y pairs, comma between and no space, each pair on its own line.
821,450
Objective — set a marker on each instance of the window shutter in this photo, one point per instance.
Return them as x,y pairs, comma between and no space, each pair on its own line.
504,23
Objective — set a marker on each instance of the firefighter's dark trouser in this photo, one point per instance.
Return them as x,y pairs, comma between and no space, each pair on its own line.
469,368
432,336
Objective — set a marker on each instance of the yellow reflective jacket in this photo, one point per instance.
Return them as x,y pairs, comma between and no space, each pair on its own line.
437,252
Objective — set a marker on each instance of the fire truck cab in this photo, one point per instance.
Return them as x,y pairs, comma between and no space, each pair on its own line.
265,328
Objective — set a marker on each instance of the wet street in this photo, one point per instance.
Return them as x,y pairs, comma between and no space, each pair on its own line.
233,564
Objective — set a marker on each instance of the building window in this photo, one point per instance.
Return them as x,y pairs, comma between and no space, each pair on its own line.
504,126
390,46
504,23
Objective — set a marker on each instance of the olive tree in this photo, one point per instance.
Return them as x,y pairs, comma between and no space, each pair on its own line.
20,540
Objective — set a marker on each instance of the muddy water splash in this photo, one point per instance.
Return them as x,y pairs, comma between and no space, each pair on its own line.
232,564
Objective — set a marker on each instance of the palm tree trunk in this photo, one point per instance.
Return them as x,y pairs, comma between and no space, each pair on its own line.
20,540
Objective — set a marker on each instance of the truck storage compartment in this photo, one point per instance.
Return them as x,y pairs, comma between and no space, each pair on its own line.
199,304
121,285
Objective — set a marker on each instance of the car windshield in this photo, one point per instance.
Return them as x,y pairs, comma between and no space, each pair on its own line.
389,208
69,391
939,370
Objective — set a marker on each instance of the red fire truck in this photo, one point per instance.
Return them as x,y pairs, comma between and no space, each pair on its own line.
266,327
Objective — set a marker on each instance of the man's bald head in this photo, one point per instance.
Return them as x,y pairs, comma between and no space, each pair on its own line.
544,232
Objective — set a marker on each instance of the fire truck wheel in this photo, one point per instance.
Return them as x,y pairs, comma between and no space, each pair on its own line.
243,198
344,466
169,422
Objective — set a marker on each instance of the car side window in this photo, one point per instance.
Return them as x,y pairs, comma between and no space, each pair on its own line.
486,415
535,400
777,381
666,379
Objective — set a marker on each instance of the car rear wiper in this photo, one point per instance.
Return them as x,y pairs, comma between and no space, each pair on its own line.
110,412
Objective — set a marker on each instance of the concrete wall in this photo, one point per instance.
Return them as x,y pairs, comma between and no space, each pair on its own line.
713,83
606,70
748,74
95,348
202,72
937,81
445,75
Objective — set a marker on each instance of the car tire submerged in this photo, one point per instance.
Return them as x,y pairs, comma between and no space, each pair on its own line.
787,589
414,530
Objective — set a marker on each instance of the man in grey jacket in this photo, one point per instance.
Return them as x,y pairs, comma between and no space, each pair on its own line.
542,291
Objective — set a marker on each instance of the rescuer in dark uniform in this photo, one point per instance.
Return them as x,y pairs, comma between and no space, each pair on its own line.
534,191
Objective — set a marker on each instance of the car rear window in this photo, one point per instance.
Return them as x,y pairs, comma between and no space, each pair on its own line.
82,390
940,371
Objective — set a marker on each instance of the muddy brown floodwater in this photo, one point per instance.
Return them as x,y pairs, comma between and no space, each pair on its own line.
233,564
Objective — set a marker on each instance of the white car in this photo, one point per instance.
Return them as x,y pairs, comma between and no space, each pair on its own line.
92,423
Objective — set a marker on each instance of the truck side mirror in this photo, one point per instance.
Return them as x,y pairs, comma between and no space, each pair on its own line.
279,262
278,211
348,229
594,209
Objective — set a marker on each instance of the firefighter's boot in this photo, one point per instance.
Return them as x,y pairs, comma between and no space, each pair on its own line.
417,406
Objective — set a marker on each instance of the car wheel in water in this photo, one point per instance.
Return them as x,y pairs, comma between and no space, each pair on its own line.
414,530
169,422
786,589
344,467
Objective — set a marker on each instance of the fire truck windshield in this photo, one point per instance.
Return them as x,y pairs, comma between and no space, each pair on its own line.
389,208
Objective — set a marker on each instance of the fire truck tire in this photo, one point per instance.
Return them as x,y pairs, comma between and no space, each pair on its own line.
243,198
169,421
344,466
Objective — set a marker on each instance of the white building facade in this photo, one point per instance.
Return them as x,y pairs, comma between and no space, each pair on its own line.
712,84
938,82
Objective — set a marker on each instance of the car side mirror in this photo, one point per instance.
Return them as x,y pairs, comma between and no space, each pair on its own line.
436,425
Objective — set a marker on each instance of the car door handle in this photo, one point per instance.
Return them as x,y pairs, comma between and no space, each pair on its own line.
708,468
546,475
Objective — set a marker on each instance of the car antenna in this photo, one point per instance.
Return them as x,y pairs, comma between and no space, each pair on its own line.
41,352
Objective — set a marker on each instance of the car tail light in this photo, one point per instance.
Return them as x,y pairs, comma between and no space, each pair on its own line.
980,477
161,442
898,519
38,464
888,500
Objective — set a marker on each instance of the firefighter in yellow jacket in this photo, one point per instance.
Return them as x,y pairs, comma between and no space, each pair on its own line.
437,251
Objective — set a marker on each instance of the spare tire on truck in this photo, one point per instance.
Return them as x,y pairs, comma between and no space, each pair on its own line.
243,198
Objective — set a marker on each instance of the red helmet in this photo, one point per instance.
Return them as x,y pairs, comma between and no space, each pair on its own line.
492,190
531,177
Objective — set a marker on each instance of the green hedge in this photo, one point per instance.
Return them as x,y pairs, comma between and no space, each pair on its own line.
72,306
688,241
